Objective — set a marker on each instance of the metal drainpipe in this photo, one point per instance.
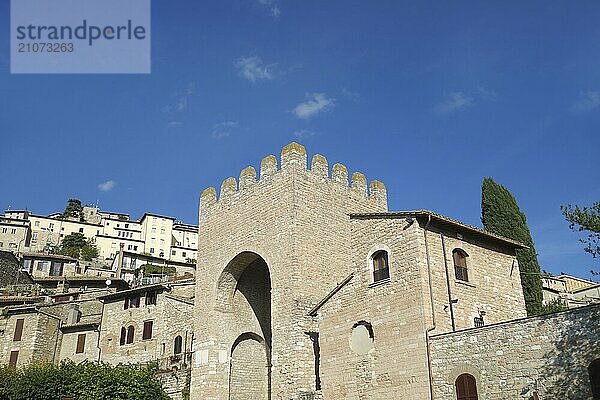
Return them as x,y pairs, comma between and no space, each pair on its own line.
99,330
432,307
448,283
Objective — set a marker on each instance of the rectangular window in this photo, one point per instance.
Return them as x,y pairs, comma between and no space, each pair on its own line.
80,230
14,356
4,230
134,248
126,225
1,244
173,252
134,302
12,245
18,330
34,236
151,298
13,231
80,343
151,250
183,254
126,304
478,321
36,223
147,330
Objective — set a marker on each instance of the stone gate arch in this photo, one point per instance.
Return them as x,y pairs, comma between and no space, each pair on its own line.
243,299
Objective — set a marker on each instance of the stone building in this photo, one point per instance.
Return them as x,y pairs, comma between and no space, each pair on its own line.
307,287
148,323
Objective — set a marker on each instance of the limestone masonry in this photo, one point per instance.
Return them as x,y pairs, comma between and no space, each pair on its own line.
307,287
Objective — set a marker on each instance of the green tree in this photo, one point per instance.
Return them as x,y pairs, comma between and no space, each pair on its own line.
500,214
586,220
77,246
83,381
74,209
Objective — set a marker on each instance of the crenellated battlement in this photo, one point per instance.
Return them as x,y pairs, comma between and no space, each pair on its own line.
294,158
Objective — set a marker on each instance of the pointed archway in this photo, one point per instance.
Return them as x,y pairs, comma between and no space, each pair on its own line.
244,296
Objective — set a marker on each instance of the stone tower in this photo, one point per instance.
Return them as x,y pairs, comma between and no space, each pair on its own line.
269,250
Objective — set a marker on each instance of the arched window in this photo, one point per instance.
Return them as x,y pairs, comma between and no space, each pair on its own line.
381,269
594,372
177,345
466,387
460,265
123,336
130,333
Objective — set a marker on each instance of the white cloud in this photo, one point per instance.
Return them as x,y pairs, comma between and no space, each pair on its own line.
254,69
107,186
181,100
174,124
223,129
275,12
587,102
454,102
315,103
304,133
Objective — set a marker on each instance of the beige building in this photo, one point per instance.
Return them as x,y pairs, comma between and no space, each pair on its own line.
158,236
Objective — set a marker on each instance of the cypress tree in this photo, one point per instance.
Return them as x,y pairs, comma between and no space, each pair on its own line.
500,214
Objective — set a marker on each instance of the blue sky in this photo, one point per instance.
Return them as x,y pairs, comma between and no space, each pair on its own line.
429,98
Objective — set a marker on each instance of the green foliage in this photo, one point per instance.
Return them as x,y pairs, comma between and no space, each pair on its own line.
151,269
553,306
77,246
501,215
84,381
585,219
74,209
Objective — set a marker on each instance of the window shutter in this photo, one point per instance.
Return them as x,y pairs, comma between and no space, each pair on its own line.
147,330
18,330
80,343
14,356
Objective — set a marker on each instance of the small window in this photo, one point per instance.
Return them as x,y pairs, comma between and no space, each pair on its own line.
18,330
80,230
147,334
126,304
123,336
381,270
478,322
151,298
130,334
173,252
460,265
134,302
14,356
177,345
183,254
594,373
151,250
466,387
80,343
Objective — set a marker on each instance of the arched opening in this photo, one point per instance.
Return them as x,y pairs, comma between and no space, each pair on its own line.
466,387
177,345
381,268
130,334
461,272
594,373
244,292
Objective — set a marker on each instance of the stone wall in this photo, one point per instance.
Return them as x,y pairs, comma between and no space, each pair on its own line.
396,365
548,354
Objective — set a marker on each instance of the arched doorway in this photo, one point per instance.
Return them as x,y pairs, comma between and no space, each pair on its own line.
466,387
244,294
